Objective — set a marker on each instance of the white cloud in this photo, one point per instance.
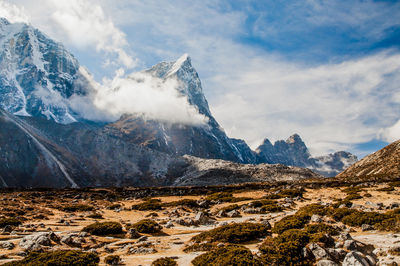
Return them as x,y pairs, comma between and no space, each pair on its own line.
82,24
391,133
331,106
138,94
12,12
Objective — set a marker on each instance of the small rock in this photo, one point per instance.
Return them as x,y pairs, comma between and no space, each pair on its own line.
142,238
315,218
169,224
7,245
233,214
350,245
268,225
367,227
318,252
326,263
345,236
133,233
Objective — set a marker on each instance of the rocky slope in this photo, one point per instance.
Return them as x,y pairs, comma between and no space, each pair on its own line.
38,80
293,151
385,162
49,154
205,141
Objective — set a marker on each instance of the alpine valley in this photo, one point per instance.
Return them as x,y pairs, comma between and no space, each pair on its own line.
46,142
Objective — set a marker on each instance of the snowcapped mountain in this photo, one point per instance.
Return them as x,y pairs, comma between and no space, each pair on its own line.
37,74
205,141
294,152
38,79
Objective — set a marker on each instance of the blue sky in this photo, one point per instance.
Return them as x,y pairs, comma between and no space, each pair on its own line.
327,70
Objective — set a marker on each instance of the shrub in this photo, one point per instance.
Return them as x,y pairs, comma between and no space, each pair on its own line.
58,258
224,197
9,221
147,226
227,256
311,209
148,205
103,229
271,208
112,260
77,207
321,228
164,262
290,222
359,218
285,249
184,202
339,213
286,193
233,233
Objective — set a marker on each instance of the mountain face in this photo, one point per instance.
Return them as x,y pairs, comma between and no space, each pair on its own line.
37,75
294,152
385,162
205,141
45,143
36,152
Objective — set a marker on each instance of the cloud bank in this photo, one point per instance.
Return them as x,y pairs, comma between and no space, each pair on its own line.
139,94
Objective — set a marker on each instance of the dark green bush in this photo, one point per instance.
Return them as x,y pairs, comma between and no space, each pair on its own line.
112,260
339,213
321,228
147,226
233,233
359,218
227,256
149,205
58,258
77,207
9,221
164,262
103,229
190,203
290,222
224,197
285,249
312,209
286,193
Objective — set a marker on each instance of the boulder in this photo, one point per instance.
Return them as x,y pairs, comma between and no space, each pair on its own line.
7,245
326,263
350,245
355,258
36,241
319,252
315,218
233,214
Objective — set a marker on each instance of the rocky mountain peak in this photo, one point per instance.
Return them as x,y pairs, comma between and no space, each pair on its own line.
189,81
37,74
295,138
